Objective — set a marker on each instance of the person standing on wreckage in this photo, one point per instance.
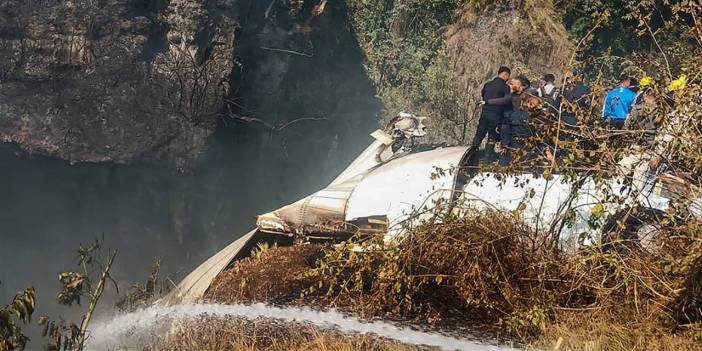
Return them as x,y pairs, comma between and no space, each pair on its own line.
510,103
492,115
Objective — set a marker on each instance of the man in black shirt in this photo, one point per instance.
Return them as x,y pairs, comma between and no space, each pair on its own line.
576,95
492,114
512,101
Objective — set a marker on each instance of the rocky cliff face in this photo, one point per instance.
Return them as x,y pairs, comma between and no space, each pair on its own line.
119,80
114,80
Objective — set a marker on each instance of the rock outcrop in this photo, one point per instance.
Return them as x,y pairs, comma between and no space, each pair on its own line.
531,42
114,80
123,80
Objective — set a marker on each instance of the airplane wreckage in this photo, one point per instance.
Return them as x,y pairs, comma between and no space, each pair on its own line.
394,177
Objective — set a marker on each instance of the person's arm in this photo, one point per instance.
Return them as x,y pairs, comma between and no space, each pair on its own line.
632,117
486,93
605,108
631,100
501,101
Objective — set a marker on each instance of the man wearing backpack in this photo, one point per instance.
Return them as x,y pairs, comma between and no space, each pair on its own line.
549,93
576,95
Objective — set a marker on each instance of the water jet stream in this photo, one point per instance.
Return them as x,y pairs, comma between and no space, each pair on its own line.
135,329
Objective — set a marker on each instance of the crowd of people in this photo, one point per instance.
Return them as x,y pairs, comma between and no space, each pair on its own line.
508,102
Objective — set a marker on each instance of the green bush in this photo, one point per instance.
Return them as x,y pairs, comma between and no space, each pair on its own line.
403,41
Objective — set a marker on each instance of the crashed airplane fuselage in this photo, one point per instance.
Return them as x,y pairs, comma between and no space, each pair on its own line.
388,184
380,188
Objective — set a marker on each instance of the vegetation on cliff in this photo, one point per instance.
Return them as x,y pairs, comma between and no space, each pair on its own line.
431,57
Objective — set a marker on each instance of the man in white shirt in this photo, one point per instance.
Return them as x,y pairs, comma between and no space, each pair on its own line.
548,93
549,87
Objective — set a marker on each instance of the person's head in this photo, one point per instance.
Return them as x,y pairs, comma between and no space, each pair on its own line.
530,103
520,84
625,81
577,75
549,79
504,73
634,84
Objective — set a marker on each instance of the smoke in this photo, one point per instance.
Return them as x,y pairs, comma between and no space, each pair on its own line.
144,212
139,329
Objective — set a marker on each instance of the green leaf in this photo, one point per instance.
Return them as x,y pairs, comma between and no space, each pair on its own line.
598,210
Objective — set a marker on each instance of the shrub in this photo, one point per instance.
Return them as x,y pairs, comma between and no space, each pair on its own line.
489,267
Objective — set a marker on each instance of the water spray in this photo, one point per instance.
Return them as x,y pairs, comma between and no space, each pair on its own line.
137,329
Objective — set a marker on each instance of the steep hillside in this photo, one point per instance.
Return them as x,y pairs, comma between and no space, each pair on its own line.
431,57
528,38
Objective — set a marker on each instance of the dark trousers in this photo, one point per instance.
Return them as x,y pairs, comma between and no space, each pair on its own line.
616,123
487,125
506,141
528,156
569,119
507,156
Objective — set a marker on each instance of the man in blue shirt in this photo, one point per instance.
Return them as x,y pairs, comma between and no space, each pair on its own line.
618,103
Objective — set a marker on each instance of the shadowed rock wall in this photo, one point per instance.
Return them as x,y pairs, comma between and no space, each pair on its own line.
113,80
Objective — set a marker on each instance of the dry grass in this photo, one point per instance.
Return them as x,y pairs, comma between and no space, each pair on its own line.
490,270
272,275
593,331
484,269
206,334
